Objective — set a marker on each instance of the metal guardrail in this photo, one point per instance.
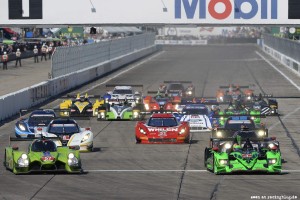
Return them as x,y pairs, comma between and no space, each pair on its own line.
67,60
285,46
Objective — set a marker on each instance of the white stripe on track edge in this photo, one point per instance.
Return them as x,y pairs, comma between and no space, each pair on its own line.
122,72
142,170
273,66
288,79
160,171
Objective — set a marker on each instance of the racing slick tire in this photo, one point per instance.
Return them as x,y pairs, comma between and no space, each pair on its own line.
137,141
4,162
188,140
205,156
214,166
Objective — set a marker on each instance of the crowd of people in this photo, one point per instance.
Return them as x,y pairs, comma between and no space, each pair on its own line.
17,51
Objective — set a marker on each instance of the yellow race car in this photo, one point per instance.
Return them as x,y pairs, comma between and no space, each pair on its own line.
81,106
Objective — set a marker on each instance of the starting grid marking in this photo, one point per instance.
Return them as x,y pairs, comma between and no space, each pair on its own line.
162,171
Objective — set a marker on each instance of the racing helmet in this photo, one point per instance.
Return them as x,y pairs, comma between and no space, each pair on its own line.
214,107
256,106
237,147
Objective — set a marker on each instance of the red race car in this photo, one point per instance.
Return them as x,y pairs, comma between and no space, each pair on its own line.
162,128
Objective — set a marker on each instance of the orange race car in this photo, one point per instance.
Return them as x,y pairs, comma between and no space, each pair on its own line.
233,92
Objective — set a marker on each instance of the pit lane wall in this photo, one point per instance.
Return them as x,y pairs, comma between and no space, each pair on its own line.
10,104
283,50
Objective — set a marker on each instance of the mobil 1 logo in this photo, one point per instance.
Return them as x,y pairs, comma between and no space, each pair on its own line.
25,9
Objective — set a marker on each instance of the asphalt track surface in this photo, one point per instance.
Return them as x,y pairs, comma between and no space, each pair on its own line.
120,169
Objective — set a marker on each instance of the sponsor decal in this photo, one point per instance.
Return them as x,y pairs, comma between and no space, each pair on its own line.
162,129
239,9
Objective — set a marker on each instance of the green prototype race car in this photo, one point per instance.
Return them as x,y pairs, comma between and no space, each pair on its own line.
119,111
42,156
244,152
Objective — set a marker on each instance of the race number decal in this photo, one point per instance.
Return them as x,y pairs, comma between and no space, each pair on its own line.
25,9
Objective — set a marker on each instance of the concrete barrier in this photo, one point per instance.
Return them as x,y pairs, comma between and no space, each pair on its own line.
287,61
10,104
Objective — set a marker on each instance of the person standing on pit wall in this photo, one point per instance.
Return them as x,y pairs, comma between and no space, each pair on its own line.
18,57
4,59
36,54
50,49
44,52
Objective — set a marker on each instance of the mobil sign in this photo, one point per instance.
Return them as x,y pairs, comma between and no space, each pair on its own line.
226,10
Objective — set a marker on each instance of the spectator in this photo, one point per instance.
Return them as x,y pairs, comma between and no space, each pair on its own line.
36,54
18,57
4,59
50,49
44,52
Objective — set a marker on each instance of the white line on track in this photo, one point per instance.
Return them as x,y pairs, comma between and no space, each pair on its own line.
161,171
124,71
285,76
286,116
142,170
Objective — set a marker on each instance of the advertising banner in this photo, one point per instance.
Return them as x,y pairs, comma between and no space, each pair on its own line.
157,12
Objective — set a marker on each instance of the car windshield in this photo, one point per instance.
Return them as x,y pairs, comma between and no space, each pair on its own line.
239,124
247,134
43,146
176,87
40,120
195,111
123,92
62,129
161,122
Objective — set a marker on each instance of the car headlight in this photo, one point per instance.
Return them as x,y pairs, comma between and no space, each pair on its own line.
223,162
261,133
249,97
135,113
189,92
22,127
85,137
66,113
221,118
227,146
72,160
272,161
71,155
147,106
176,106
24,156
23,161
253,118
219,134
221,98
182,131
142,131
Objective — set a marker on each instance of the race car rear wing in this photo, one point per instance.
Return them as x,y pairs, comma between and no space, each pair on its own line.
235,86
23,112
228,133
80,96
190,82
132,85
41,138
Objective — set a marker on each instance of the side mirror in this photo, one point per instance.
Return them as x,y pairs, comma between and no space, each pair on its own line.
74,147
15,148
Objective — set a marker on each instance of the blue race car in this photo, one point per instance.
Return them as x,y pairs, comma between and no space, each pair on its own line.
24,128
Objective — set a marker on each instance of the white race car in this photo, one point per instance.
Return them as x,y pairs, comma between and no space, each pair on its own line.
197,116
69,134
120,93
